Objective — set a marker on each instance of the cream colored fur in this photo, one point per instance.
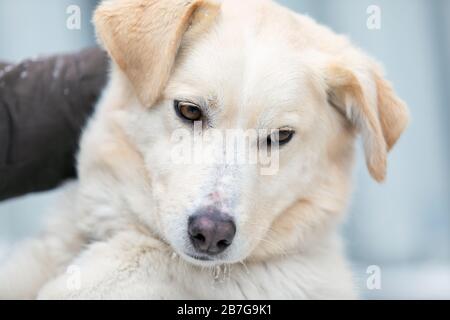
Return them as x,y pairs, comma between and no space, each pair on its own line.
256,65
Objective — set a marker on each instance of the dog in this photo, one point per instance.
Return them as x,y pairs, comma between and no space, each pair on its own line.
137,225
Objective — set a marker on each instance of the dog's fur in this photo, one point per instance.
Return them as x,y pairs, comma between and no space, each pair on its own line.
254,64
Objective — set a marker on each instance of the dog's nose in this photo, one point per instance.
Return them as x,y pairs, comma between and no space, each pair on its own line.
211,233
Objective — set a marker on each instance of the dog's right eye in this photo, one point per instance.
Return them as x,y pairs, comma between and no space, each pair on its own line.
188,111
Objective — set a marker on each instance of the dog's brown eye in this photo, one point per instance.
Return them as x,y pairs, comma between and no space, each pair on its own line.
281,136
188,111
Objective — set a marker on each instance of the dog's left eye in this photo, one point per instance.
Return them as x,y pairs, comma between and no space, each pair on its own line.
188,111
280,136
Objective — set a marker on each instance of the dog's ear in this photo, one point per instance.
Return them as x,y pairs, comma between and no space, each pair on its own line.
357,87
143,37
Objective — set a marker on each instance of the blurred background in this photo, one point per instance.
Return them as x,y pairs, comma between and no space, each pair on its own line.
401,226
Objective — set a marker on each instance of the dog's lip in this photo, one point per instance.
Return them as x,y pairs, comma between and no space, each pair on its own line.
203,260
200,257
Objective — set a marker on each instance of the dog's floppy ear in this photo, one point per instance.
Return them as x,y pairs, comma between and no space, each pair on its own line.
143,37
358,89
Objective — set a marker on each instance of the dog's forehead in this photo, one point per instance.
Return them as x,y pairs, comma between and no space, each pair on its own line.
247,62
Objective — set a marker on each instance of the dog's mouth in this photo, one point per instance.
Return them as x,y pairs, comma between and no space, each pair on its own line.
202,260
201,257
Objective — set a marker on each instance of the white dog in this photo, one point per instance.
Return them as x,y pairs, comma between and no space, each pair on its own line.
138,225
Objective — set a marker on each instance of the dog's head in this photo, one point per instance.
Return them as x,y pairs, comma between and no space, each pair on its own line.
185,69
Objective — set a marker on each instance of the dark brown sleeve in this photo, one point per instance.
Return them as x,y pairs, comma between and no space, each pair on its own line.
44,104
